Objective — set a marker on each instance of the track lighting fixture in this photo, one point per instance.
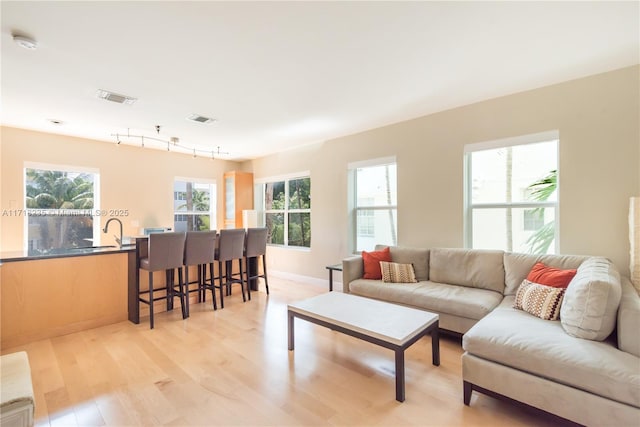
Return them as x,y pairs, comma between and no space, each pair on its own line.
173,141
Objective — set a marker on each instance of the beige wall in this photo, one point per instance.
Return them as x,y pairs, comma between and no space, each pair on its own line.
133,178
597,118
598,121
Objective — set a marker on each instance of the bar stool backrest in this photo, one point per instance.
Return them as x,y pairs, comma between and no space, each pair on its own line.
200,247
231,244
256,242
166,250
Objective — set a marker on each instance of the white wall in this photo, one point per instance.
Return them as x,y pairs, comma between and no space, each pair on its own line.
598,121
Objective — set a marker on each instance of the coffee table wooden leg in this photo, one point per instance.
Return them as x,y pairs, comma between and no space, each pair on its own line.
290,330
400,375
435,345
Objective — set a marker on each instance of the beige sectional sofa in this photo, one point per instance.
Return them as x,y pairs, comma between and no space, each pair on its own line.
511,353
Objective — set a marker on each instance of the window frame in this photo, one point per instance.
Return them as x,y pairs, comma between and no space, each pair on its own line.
95,210
356,210
213,191
469,206
262,211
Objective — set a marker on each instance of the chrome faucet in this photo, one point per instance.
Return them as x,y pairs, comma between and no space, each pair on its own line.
107,226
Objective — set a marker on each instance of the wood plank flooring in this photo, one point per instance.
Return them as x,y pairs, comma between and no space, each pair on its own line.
232,367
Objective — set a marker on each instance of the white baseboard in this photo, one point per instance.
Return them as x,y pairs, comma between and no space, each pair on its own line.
308,280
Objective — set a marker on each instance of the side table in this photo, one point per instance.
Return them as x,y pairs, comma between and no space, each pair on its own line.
332,268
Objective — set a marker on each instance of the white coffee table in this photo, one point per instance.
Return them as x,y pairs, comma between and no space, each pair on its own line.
388,325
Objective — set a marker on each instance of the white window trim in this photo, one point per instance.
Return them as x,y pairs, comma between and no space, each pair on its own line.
381,161
97,228
532,138
553,135
285,177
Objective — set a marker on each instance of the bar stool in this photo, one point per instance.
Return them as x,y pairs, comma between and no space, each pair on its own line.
166,252
256,246
199,250
230,248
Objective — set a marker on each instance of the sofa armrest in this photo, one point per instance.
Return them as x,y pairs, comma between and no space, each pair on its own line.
629,319
352,269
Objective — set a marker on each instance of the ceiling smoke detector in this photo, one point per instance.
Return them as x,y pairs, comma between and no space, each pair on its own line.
25,42
114,97
200,119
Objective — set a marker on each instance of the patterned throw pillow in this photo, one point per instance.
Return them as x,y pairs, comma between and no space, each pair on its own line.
540,300
392,272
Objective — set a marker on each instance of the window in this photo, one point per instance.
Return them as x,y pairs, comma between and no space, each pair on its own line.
533,219
511,194
366,221
192,205
286,205
60,204
374,201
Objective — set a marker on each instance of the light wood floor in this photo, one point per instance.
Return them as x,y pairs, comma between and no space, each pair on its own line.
232,367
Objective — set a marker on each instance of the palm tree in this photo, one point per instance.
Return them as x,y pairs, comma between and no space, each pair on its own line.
540,241
48,189
196,200
56,190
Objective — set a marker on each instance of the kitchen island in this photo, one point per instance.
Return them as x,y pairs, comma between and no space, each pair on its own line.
45,295
62,291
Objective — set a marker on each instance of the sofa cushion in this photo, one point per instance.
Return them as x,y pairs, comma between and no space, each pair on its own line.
472,303
514,338
468,267
371,262
629,319
591,301
540,300
417,256
517,266
392,272
550,276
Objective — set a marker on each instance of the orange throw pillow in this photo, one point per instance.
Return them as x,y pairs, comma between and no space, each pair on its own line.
550,276
372,263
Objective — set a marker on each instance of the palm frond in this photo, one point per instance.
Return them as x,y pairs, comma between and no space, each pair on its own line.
542,189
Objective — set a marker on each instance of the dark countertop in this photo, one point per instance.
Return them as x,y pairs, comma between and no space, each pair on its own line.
11,256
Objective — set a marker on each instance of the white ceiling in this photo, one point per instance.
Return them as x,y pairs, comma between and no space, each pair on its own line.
277,75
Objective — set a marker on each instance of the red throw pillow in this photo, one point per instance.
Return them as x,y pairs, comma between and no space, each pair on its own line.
550,276
372,263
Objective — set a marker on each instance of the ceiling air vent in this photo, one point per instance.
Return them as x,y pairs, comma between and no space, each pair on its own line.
114,97
200,119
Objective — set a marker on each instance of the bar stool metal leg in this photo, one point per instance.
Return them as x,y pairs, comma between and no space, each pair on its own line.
222,286
151,299
213,289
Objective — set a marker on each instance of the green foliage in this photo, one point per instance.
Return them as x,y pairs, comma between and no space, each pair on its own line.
57,190
299,223
46,189
300,193
203,223
540,241
275,225
275,198
541,190
300,229
199,201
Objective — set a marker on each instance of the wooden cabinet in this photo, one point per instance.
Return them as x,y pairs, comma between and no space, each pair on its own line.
238,196
44,298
